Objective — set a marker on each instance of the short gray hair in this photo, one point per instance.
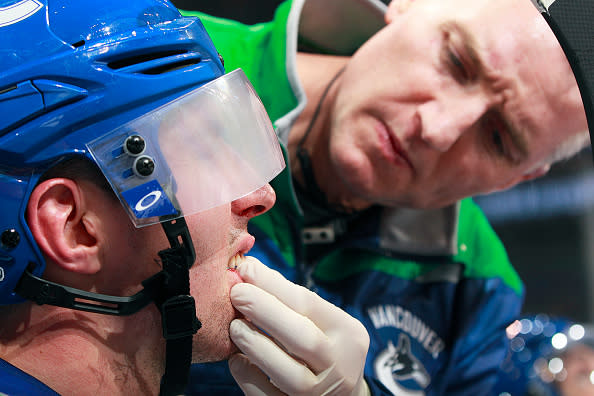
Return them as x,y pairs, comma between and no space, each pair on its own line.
570,147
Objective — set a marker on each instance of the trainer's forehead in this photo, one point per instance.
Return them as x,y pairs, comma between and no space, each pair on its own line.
573,24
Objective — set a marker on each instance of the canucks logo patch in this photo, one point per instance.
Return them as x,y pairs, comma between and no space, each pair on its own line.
396,365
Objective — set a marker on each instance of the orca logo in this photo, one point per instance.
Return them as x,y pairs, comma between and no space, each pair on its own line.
395,364
18,11
148,200
1,274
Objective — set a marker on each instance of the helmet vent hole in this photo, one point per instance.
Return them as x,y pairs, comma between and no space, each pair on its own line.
171,66
78,44
5,90
144,58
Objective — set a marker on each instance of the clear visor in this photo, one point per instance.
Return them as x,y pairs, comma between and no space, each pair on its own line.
206,148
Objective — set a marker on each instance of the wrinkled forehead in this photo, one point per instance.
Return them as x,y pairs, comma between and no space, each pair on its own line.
518,43
524,62
512,25
541,90
485,10
571,22
515,24
528,51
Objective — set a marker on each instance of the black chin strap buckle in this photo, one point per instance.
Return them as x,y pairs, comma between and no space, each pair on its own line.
179,317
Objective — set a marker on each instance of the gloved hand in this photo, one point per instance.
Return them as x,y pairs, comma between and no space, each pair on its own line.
311,347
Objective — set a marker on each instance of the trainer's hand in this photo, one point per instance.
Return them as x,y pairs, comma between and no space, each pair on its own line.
311,347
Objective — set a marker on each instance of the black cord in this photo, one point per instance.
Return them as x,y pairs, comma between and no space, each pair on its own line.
317,110
304,158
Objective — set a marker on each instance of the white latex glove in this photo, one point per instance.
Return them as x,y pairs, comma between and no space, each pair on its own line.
311,347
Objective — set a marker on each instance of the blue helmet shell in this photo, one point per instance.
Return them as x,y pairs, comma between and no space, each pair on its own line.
70,71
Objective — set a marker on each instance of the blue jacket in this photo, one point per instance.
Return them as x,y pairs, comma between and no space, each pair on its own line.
14,382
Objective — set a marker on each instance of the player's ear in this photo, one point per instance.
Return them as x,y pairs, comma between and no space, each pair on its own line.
395,8
65,225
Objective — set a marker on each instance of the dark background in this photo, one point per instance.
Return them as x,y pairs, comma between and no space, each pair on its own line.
547,225
246,11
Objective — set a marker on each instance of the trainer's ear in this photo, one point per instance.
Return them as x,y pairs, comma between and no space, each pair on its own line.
534,174
395,8
64,225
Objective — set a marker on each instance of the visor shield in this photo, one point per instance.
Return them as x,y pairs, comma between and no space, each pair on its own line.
206,148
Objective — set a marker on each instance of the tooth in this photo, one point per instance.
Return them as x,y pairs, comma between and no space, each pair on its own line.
235,261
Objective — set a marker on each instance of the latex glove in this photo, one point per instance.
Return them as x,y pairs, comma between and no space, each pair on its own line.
311,347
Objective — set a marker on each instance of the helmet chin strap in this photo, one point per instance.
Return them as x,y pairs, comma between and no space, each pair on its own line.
168,289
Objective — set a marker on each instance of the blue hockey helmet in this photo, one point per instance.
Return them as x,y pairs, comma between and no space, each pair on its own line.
137,89
141,92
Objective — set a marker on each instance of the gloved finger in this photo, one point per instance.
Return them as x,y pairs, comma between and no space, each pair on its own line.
295,332
326,315
285,372
251,380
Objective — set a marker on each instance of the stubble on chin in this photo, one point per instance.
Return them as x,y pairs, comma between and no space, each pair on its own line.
212,342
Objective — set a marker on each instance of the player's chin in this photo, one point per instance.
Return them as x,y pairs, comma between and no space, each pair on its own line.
222,349
212,342
227,350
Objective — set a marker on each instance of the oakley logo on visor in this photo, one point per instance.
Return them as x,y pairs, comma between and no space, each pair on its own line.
148,200
18,11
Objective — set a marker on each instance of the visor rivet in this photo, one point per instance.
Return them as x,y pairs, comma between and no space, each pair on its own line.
134,145
144,166
10,238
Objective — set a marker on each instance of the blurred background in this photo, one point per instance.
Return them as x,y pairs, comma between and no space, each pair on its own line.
547,225
246,11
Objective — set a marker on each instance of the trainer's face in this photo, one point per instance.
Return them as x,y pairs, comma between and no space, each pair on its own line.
452,99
